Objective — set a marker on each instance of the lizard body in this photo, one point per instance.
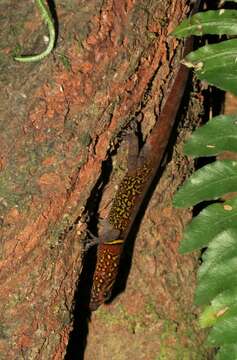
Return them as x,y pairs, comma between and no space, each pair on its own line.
134,186
110,249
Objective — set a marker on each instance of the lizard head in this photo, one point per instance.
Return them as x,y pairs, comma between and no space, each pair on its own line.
108,257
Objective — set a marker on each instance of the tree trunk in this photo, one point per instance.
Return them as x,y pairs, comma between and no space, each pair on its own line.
63,152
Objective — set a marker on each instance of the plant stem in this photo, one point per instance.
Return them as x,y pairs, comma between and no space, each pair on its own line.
45,14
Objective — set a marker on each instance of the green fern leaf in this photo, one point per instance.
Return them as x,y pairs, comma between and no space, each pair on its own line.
226,298
216,226
210,222
220,249
210,316
219,277
208,183
227,352
219,305
217,22
216,64
225,330
217,135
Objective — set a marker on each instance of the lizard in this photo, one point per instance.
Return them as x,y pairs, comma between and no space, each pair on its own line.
142,168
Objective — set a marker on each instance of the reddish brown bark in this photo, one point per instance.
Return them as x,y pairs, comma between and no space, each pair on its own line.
60,119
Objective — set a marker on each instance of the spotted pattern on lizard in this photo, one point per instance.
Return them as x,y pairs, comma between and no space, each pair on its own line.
108,258
130,188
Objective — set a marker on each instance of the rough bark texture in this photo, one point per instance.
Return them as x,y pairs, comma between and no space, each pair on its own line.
60,120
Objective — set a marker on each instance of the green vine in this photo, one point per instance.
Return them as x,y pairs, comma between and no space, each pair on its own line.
46,16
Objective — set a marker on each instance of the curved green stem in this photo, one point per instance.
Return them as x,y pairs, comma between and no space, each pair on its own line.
49,21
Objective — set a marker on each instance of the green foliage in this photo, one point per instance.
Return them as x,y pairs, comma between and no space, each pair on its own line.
221,216
218,135
208,183
215,227
227,352
214,63
210,22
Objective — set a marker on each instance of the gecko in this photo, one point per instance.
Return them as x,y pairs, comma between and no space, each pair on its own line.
142,168
113,236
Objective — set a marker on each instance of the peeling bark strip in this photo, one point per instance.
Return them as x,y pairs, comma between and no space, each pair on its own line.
58,119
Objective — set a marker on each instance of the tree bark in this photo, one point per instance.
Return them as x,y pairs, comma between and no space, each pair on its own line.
62,155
